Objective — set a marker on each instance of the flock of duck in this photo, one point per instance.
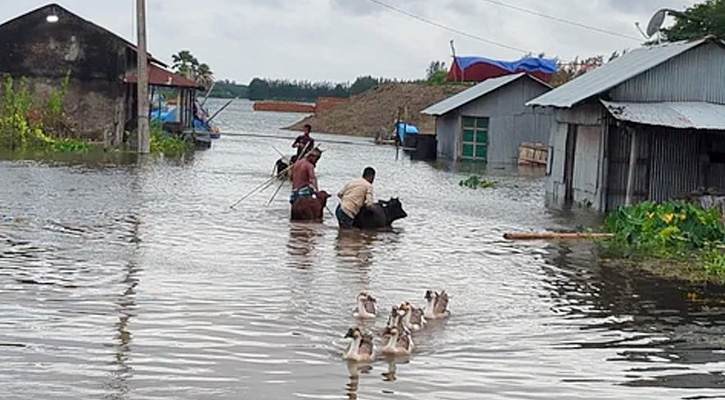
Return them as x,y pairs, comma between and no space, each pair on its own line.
403,321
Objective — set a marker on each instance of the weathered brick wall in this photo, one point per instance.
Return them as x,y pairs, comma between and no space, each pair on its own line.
96,60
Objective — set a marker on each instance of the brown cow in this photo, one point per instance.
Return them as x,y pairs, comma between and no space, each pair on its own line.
309,208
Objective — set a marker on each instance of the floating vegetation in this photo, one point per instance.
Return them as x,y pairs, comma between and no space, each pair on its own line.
476,182
674,231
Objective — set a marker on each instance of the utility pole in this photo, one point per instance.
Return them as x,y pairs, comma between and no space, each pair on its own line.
142,71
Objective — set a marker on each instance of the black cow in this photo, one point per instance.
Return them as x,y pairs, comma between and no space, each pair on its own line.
379,215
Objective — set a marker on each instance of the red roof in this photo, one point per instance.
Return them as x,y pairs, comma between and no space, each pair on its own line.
162,77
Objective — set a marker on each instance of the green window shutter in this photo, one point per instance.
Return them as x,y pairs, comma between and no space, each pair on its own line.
469,122
467,150
482,123
482,152
468,135
482,137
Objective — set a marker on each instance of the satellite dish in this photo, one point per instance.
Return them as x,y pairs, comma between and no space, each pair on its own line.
655,24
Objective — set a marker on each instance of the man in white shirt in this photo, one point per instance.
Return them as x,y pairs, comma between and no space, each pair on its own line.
357,194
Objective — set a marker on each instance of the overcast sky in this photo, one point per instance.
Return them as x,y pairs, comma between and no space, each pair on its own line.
338,40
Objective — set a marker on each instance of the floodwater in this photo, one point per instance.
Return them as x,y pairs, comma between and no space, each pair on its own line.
137,281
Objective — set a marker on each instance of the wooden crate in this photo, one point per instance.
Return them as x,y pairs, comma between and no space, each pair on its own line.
533,154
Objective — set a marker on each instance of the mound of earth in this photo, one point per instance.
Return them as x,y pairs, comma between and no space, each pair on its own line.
377,109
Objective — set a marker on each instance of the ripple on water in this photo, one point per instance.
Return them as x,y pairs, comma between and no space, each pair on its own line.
141,282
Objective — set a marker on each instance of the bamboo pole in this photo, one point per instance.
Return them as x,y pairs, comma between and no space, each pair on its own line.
556,236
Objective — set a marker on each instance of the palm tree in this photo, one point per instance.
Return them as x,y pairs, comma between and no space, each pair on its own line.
185,64
204,75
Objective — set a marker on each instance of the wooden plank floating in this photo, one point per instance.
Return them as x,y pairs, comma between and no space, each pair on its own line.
555,236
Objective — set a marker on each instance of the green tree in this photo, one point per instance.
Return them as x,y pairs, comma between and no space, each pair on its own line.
259,89
706,18
436,73
204,75
184,63
362,84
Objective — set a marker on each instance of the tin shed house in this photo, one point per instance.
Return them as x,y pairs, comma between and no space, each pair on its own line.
51,42
489,121
649,125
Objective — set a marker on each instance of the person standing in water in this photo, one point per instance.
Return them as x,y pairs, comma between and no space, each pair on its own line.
304,180
357,194
304,142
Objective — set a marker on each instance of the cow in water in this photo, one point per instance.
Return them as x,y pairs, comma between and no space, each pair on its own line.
380,215
309,208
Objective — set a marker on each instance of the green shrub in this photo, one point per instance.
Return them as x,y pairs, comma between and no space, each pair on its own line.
672,228
25,127
676,231
169,145
714,262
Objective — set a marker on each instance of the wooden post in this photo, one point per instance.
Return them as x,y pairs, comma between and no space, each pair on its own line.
632,167
144,139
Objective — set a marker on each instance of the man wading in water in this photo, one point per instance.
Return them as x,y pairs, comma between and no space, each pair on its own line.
304,143
357,194
304,180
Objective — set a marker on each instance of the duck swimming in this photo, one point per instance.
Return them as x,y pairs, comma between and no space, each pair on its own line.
399,342
366,306
413,319
395,320
361,348
437,306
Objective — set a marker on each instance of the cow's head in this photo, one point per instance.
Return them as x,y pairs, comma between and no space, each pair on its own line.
323,196
393,209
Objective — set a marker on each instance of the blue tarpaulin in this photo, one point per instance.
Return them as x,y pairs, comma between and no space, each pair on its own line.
528,64
406,129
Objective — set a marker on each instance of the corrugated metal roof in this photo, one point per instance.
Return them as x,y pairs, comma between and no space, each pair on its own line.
680,115
161,77
613,73
474,93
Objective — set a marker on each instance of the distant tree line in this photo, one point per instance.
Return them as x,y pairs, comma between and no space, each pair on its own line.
227,89
266,89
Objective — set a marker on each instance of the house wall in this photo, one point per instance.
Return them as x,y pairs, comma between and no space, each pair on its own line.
44,53
510,121
696,75
588,156
670,163
555,185
447,128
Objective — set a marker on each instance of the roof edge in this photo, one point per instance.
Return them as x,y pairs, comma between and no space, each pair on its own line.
702,40
515,79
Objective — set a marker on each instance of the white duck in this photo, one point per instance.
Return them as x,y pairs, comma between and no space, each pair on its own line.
366,307
413,319
399,342
361,348
437,306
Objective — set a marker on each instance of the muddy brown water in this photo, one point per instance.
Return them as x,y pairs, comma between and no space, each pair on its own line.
121,280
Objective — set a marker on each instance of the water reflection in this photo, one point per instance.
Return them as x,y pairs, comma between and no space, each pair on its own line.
662,327
354,248
302,243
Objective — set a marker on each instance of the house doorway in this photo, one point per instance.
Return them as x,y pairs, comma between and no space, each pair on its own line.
570,153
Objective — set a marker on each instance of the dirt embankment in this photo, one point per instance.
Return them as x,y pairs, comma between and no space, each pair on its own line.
376,110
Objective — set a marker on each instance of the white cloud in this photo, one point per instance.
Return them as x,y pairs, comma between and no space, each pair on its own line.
338,40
